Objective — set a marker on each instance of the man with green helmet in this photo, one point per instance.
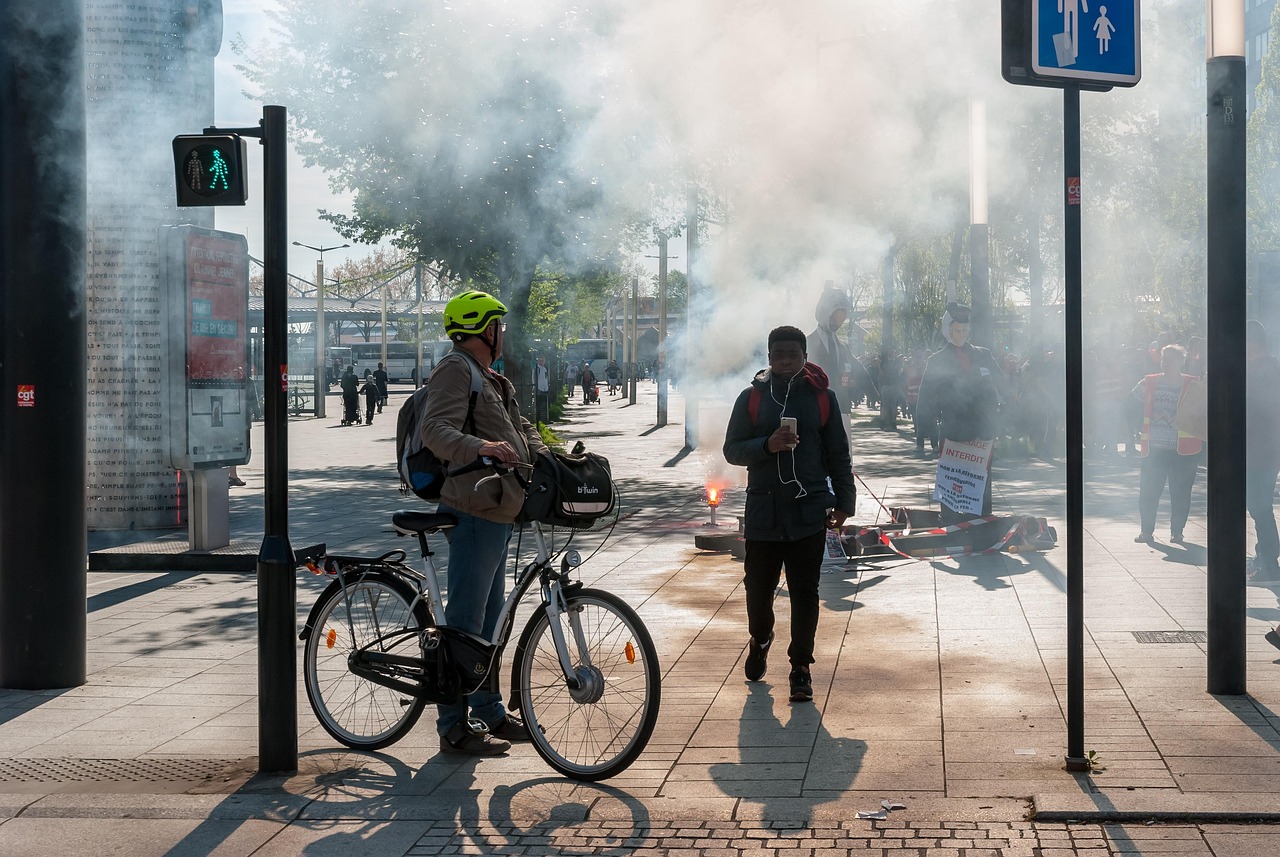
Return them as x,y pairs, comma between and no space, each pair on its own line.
459,434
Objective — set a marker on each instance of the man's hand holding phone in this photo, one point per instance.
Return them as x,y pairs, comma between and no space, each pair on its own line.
785,437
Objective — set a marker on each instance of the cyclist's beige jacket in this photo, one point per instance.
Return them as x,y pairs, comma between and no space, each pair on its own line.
497,417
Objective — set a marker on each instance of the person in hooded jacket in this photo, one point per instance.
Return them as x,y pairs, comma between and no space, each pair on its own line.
849,379
960,393
799,485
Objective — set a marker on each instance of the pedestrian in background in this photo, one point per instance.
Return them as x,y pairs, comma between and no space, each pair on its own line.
799,485
380,378
1262,450
542,390
1169,455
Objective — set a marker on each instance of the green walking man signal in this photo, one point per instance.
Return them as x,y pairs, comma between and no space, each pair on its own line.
210,169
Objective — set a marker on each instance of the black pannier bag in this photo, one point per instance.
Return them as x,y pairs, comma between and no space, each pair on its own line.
569,490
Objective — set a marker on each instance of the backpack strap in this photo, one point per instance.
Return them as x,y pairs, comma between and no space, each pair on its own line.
753,405
477,384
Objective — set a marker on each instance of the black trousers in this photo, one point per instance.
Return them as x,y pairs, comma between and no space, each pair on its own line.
763,567
1179,471
1259,497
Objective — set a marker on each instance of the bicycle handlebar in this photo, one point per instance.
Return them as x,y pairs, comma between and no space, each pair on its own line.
499,470
479,464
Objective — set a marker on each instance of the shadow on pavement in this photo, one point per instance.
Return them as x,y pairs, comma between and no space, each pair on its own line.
768,750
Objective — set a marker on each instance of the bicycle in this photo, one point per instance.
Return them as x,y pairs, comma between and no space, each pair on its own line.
584,674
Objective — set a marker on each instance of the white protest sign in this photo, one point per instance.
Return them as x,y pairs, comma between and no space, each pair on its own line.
961,478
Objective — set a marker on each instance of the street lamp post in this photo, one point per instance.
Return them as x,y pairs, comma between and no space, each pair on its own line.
979,244
321,386
1225,217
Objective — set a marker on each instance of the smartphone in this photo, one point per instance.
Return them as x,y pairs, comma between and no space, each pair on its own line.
789,423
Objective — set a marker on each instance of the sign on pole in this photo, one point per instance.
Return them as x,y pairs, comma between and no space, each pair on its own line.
1087,41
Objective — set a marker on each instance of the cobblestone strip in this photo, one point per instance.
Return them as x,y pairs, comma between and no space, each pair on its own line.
777,839
828,839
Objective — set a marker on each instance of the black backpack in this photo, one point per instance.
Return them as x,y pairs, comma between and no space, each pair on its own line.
420,471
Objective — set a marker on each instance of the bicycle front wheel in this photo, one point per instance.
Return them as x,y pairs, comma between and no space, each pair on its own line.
360,713
596,730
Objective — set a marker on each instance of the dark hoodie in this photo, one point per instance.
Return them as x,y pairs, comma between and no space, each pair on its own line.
774,511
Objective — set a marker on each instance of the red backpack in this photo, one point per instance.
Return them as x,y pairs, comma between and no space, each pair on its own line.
753,405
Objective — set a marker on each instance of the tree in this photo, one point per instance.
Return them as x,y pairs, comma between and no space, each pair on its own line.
481,166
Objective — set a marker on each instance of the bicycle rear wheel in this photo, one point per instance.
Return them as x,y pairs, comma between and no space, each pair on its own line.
360,713
597,730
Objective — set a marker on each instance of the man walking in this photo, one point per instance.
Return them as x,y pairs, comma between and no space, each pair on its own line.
785,429
1262,449
459,434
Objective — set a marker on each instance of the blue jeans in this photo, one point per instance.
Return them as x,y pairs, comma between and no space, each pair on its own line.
477,591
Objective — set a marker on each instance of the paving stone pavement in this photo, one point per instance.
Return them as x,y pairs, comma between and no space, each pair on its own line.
939,686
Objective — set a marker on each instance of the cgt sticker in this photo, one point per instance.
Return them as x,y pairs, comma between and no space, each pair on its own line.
26,395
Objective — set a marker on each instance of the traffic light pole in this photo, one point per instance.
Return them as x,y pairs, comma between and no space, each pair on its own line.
277,586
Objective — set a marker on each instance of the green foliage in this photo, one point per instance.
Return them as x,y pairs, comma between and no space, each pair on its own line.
550,438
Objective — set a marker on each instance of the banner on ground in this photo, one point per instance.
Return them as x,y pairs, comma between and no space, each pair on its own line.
961,480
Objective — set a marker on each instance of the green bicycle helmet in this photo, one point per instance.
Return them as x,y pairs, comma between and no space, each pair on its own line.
471,312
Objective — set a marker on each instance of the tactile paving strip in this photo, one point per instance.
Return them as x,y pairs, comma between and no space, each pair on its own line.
112,770
1170,636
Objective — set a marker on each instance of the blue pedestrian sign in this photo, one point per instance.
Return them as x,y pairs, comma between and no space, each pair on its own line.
1087,40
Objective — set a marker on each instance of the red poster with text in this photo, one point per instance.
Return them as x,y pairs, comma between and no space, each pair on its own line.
216,323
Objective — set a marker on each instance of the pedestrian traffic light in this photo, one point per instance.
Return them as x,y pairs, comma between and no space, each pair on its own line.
210,169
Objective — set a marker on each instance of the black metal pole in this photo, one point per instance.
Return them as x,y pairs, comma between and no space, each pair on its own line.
662,330
689,361
1226,361
43,334
888,418
277,592
1076,760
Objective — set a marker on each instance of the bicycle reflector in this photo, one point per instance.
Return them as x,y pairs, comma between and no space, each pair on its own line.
210,169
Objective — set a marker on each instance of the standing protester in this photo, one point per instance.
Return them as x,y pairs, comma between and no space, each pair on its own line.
1262,450
380,378
486,513
848,377
1168,454
542,390
799,484
960,394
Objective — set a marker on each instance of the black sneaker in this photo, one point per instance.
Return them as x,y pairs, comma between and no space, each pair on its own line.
1263,572
801,685
757,658
511,729
1144,538
1176,537
471,738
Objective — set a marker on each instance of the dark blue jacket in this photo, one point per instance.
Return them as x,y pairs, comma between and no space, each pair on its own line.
961,390
787,493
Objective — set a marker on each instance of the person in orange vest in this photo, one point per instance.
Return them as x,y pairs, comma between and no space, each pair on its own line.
1168,455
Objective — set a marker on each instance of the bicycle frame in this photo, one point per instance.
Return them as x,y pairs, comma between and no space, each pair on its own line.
553,597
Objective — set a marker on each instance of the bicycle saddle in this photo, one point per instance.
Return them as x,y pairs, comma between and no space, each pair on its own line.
422,522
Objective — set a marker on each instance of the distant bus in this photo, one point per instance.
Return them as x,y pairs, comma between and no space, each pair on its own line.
593,351
402,359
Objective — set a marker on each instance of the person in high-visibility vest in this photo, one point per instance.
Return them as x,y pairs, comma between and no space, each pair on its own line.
1168,454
